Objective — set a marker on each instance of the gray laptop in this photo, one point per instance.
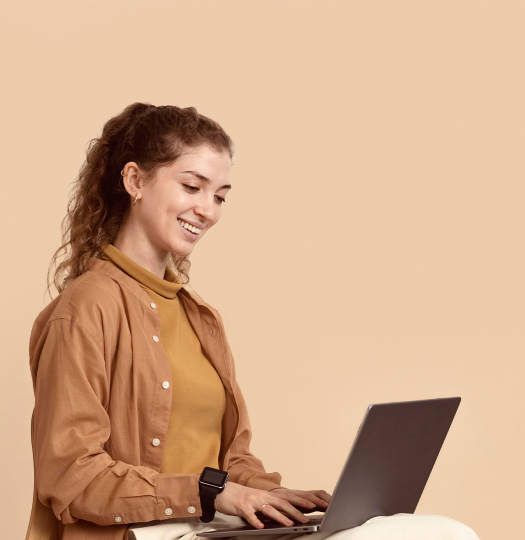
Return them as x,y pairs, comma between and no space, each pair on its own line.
386,471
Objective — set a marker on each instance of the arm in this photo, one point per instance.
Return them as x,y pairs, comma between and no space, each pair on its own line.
243,467
75,476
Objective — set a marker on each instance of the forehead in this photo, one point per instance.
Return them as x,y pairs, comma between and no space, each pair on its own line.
203,159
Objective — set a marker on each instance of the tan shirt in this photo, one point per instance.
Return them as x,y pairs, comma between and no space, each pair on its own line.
101,415
198,398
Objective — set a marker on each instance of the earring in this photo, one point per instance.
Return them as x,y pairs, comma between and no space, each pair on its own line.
135,201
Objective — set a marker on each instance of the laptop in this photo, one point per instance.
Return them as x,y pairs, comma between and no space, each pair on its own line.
386,471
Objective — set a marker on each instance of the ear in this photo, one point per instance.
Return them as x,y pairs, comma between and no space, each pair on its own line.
132,179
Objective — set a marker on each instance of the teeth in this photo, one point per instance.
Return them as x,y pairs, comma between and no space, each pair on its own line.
189,227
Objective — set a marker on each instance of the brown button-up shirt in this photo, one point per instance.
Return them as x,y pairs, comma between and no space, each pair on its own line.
101,414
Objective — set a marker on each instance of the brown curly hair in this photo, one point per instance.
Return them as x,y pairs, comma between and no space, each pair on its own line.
152,137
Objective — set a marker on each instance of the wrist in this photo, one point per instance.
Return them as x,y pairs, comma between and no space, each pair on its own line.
211,484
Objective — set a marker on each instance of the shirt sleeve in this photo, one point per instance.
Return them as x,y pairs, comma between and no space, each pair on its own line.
243,467
74,475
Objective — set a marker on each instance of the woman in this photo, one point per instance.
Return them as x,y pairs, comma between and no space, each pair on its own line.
135,388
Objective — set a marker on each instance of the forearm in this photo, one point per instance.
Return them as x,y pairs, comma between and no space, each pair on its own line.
125,494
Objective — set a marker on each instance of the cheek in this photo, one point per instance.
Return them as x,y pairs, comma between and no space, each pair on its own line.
217,216
160,215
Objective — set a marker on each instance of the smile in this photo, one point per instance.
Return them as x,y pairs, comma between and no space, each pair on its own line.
189,227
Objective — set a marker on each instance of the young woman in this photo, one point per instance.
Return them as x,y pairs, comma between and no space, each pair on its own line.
135,388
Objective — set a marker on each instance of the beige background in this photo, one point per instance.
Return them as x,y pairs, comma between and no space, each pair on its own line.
371,248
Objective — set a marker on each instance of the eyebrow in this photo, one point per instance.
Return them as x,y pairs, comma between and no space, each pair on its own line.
207,180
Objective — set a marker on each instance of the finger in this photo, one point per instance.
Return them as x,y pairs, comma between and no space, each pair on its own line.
252,519
322,494
291,511
313,500
303,499
274,514
310,500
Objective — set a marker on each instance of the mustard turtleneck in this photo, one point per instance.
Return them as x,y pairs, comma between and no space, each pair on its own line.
198,402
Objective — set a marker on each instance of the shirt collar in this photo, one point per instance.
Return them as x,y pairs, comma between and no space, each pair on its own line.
94,264
167,287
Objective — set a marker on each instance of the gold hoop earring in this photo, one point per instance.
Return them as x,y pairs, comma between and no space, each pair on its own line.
135,201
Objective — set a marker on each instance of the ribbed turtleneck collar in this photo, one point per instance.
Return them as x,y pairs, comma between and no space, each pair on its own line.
167,287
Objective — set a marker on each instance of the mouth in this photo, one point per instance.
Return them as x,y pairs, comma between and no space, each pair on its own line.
190,229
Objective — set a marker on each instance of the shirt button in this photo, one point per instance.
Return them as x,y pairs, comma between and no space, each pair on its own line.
168,511
165,384
191,510
211,331
118,519
155,442
155,339
153,305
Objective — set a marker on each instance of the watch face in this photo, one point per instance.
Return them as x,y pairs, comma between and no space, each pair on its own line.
215,477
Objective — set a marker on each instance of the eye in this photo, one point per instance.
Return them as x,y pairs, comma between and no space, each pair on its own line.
194,189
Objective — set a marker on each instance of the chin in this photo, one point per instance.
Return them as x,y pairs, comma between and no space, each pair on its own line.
181,251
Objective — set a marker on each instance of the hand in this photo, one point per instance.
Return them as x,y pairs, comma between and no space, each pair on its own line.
242,501
315,499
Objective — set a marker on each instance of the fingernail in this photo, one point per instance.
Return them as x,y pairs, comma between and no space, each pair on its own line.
312,504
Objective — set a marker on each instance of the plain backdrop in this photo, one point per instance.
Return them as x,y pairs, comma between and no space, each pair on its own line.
371,248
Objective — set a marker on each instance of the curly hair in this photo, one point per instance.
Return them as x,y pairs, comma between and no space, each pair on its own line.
98,204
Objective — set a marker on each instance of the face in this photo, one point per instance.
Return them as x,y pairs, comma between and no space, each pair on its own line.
183,201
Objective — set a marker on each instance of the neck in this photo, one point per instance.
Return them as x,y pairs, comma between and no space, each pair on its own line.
139,249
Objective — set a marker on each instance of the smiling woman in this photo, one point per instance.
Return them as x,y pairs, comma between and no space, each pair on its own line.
164,151
135,388
138,415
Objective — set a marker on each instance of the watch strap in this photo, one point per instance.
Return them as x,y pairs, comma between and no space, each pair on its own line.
211,482
208,495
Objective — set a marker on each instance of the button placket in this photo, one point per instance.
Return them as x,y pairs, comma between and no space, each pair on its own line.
158,354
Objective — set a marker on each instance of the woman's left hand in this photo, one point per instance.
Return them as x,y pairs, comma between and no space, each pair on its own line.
313,500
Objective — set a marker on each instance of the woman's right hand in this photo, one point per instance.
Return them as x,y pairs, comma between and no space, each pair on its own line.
242,501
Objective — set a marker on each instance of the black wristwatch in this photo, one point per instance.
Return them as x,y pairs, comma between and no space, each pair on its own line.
211,483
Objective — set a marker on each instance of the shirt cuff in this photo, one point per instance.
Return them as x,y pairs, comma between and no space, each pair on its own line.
178,496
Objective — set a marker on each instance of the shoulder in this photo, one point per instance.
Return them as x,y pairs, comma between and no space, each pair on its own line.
90,295
92,300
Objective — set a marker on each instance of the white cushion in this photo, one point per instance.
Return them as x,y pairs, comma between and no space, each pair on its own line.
397,527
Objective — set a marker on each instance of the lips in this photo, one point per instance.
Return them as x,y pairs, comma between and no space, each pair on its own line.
192,223
188,234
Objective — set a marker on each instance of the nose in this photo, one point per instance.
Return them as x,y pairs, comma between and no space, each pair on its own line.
205,209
